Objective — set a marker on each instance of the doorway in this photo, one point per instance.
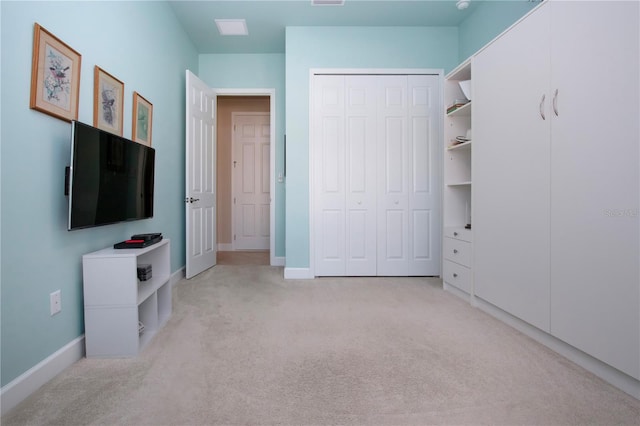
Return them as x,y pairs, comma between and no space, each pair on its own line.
230,105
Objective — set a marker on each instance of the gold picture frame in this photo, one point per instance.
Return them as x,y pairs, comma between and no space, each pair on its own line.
142,119
108,102
55,76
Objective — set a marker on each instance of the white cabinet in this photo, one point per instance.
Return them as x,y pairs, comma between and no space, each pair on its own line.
457,171
376,193
117,303
595,189
457,256
556,176
512,171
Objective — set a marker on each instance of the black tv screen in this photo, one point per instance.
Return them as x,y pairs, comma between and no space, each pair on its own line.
110,178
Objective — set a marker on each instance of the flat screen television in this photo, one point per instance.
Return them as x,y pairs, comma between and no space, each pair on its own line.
110,178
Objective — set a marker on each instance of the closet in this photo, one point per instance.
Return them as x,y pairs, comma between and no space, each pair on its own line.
556,176
375,175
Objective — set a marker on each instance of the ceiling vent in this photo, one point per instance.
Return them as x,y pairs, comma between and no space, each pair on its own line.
327,2
228,27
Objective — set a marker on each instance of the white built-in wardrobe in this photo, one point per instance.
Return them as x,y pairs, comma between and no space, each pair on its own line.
556,181
375,174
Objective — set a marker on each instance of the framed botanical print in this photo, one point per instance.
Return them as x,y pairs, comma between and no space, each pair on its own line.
142,119
55,76
108,101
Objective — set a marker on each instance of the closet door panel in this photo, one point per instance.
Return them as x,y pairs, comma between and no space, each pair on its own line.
511,149
329,134
423,114
361,175
393,176
595,300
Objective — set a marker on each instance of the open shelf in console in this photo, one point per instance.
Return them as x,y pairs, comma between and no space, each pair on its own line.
116,301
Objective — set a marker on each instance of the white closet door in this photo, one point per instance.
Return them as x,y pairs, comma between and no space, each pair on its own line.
393,177
329,172
360,164
376,195
424,199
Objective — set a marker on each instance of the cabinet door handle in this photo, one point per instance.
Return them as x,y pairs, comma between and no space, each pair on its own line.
455,275
455,234
541,106
455,251
555,102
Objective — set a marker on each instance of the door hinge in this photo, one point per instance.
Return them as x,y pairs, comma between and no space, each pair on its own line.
234,200
234,237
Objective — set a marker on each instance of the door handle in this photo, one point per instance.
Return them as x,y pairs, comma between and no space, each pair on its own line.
191,200
541,106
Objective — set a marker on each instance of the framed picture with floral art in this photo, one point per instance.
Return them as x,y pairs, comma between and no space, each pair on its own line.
142,119
108,101
55,76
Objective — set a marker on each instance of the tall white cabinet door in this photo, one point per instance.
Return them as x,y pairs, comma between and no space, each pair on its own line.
511,171
393,177
360,177
329,171
595,301
424,190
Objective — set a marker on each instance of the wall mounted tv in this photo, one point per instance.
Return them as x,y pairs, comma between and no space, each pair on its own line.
110,178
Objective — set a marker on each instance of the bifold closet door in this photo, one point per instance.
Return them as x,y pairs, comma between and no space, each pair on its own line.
408,192
329,175
375,196
345,217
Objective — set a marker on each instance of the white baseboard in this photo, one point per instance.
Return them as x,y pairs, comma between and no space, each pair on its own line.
298,274
277,261
31,380
177,276
225,247
607,373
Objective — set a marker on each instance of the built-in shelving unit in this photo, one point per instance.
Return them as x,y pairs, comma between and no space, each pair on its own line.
457,242
122,313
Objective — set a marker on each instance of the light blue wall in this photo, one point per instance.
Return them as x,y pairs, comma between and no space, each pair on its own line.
254,71
488,20
141,44
342,47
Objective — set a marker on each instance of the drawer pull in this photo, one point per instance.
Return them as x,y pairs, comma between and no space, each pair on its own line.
455,234
455,275
455,251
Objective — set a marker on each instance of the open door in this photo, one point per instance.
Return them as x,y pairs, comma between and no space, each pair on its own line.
200,176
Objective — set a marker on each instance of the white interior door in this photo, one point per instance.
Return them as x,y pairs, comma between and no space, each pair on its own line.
200,176
393,176
375,153
424,118
251,192
360,174
329,175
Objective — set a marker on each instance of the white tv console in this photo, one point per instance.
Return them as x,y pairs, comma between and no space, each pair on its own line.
115,301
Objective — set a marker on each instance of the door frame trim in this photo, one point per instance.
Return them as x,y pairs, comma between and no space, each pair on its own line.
271,93
357,71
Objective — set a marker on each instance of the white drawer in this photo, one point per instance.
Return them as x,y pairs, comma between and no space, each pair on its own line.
457,251
457,276
458,233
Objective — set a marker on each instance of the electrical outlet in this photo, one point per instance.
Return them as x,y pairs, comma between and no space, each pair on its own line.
55,300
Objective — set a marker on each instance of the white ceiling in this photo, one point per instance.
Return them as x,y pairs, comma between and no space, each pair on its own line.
267,19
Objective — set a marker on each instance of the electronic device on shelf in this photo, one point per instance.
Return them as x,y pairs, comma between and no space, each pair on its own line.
139,241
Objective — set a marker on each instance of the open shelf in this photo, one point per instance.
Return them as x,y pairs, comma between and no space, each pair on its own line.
115,299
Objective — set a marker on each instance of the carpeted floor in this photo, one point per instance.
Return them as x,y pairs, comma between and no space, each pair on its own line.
245,347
